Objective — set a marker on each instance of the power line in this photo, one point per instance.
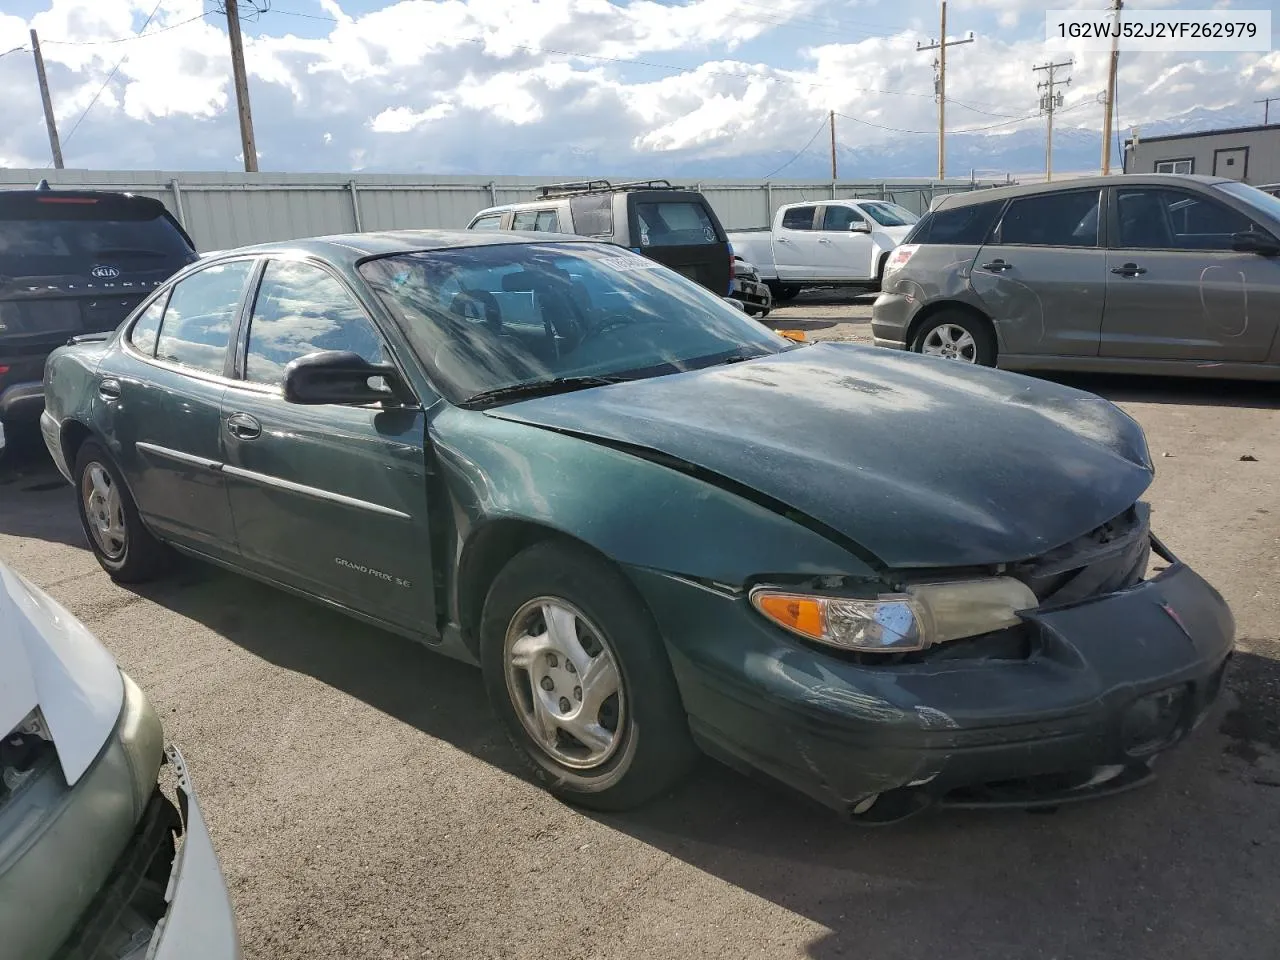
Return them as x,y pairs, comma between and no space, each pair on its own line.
110,76
822,126
136,36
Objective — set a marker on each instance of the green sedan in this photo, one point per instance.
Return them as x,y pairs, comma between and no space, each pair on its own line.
658,527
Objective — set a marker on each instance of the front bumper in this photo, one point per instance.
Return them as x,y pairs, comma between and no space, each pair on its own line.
1070,721
751,293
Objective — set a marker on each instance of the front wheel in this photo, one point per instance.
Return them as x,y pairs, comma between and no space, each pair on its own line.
957,335
576,670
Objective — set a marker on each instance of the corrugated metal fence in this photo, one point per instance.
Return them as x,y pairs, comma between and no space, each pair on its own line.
223,210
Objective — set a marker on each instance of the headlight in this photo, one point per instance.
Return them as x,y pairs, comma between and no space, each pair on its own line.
23,752
923,615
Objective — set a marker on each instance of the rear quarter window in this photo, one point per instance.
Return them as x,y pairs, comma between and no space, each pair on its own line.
967,225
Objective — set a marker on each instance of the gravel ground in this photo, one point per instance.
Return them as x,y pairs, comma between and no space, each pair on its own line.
365,804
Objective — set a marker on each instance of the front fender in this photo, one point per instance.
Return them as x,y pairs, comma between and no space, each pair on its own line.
637,512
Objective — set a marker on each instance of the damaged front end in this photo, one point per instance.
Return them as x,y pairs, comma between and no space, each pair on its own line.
1117,654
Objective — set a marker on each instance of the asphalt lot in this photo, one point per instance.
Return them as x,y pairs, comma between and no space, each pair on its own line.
364,802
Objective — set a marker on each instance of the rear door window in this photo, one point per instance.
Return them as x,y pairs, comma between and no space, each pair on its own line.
798,218
525,220
1067,219
197,322
547,222
667,223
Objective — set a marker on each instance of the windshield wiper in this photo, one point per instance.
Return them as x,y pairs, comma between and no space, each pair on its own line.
537,388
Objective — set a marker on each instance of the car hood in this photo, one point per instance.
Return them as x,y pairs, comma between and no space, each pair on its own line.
49,660
922,462
896,234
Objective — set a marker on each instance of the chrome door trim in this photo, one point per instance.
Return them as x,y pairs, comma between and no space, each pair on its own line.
314,492
178,455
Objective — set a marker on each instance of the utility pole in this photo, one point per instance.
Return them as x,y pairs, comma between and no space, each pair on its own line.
1049,102
242,87
1112,71
833,146
940,85
49,121
1266,105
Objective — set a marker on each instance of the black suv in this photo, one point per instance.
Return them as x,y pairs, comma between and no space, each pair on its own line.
73,262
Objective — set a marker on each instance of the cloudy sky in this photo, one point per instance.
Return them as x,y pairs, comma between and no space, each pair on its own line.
645,87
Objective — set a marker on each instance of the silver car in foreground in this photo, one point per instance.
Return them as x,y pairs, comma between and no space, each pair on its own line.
1163,274
95,860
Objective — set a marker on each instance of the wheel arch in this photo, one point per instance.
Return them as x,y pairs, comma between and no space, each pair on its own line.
71,437
933,309
489,548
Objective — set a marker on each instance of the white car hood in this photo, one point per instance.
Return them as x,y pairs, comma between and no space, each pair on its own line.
49,660
896,234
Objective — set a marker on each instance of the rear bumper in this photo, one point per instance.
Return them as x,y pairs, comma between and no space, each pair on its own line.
51,430
752,293
891,319
1111,684
22,402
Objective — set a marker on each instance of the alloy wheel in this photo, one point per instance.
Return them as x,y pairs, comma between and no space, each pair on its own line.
563,679
104,511
951,341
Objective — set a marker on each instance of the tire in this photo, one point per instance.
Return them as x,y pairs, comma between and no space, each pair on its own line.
784,291
649,748
124,547
879,281
958,335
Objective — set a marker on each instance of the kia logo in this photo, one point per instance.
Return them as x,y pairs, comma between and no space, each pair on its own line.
104,273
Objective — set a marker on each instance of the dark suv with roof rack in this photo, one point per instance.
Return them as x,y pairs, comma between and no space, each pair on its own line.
73,262
673,226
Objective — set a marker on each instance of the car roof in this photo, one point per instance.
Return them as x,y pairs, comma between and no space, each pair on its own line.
351,248
953,200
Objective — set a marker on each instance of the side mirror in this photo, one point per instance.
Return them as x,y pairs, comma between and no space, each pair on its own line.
859,226
339,376
1254,241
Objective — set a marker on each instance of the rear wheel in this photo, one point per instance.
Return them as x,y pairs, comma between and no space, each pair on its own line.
122,545
957,335
576,670
784,291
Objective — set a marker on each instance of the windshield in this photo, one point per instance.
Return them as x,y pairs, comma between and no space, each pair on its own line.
494,317
889,214
1253,196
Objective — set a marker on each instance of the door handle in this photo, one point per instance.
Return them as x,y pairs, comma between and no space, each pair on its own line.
823,240
243,427
109,389
997,266
1129,270
783,240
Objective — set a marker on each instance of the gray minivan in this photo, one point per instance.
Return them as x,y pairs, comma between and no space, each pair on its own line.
1142,273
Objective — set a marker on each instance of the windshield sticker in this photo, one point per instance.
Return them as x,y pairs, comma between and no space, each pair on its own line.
628,263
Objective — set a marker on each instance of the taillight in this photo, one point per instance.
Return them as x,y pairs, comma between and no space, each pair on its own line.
3,369
899,257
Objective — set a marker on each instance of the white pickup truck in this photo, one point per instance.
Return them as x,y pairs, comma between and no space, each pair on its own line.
824,243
